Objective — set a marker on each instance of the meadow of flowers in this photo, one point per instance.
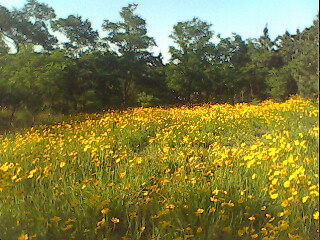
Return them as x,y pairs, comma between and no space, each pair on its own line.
203,172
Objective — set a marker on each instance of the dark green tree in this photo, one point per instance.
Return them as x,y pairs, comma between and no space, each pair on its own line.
299,70
186,72
32,24
20,81
97,74
80,34
305,61
232,56
131,42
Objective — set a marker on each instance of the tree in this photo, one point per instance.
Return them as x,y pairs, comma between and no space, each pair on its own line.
20,81
41,16
188,62
82,38
32,24
305,63
132,44
299,71
97,77
281,83
232,56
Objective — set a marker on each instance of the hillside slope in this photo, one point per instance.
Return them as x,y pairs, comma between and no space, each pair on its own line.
205,172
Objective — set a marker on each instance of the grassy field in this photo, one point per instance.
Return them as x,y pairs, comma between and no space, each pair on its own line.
202,172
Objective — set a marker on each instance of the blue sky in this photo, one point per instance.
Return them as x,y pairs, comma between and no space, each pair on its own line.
245,17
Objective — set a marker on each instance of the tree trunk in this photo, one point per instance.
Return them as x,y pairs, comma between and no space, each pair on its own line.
251,90
125,91
12,116
124,97
33,119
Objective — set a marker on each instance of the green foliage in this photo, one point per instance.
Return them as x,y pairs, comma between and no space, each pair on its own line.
30,24
146,100
300,53
130,37
186,72
82,38
281,83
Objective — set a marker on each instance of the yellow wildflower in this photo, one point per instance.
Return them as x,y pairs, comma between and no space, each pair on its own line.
105,210
66,228
274,196
305,198
200,211
62,164
285,203
55,219
287,184
115,220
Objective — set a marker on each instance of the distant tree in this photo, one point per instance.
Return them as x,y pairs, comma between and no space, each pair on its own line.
37,81
186,72
80,34
299,72
305,63
42,17
97,76
255,72
151,87
11,93
130,39
279,79
265,40
20,81
281,83
233,56
60,83
32,24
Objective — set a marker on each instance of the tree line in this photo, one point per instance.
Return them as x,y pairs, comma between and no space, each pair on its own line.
85,72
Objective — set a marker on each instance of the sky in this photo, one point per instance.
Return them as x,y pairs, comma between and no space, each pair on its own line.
244,17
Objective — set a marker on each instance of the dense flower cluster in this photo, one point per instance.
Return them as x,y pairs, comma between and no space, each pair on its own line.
203,172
